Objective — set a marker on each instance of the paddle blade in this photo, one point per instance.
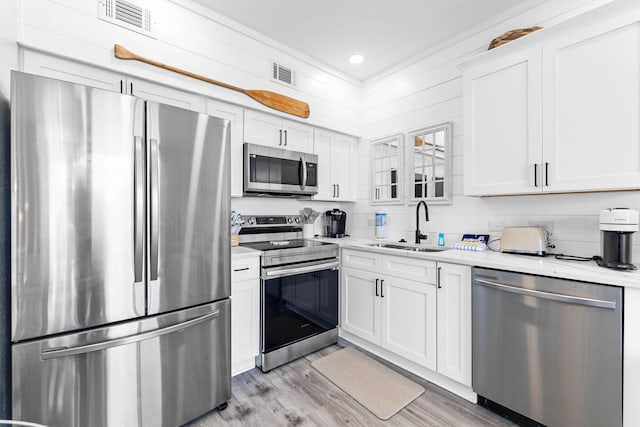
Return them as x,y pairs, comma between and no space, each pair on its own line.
280,102
122,52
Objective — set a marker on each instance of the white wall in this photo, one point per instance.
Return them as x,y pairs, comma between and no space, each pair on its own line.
198,40
428,90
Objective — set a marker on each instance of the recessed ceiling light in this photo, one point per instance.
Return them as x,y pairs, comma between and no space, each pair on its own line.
356,58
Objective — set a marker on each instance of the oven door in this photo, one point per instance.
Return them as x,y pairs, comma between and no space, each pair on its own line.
278,171
297,302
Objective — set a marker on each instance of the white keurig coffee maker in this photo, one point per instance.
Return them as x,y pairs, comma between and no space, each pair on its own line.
616,227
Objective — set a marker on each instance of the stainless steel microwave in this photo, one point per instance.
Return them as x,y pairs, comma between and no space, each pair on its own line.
277,172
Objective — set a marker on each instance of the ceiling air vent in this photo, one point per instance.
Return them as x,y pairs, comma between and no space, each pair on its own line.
284,74
127,15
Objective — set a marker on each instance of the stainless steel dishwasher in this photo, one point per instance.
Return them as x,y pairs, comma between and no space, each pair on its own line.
547,349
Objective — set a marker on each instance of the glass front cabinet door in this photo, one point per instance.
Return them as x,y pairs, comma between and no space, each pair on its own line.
386,170
430,163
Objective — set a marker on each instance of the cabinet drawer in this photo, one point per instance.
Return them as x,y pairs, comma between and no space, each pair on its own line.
361,260
245,269
409,268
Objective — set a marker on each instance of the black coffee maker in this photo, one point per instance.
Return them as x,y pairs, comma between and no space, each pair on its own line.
616,228
336,222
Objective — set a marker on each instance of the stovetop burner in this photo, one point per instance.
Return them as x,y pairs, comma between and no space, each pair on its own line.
279,238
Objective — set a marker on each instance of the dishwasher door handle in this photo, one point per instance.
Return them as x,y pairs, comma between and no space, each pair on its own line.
548,295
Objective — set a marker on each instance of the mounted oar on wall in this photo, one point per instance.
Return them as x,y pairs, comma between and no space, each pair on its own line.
270,99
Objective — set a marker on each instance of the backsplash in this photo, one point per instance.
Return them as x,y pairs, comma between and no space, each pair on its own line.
284,206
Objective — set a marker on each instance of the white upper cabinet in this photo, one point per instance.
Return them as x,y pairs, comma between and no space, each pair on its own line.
76,72
591,109
165,95
386,170
336,167
235,115
502,99
557,111
266,129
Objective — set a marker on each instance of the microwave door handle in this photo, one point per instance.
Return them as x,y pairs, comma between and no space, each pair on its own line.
303,169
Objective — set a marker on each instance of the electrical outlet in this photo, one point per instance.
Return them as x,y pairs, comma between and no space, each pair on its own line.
547,225
496,225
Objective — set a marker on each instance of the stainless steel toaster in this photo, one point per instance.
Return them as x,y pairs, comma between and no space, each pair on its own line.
524,240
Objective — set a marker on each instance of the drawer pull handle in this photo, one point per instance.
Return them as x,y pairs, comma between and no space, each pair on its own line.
241,269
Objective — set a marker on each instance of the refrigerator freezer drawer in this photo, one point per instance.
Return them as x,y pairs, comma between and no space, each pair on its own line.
160,371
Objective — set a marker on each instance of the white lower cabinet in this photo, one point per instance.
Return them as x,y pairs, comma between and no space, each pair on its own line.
414,308
360,306
454,322
245,312
409,319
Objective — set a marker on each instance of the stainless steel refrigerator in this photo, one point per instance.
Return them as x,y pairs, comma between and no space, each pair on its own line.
120,258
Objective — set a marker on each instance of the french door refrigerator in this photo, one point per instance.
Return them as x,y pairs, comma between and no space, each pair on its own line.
120,258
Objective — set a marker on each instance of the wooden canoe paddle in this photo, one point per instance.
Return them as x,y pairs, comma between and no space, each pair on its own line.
270,99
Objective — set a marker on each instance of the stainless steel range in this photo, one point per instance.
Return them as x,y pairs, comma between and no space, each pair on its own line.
298,289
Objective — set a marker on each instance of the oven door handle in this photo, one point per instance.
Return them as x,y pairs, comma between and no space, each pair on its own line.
272,274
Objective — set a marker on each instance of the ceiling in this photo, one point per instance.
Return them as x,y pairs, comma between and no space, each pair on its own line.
385,32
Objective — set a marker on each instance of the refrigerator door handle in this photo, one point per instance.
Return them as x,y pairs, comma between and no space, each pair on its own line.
57,352
138,208
154,209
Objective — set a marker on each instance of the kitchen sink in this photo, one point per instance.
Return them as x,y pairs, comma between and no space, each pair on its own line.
406,247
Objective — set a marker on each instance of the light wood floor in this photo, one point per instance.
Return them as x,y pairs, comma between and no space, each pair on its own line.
297,395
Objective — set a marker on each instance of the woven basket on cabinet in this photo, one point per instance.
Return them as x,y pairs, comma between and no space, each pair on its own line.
511,35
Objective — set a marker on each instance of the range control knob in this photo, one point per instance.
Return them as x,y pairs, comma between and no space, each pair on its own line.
298,220
251,221
290,220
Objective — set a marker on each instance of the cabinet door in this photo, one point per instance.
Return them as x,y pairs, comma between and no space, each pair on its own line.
409,319
235,115
503,125
245,324
592,106
264,129
297,136
359,305
322,147
71,71
165,95
454,322
343,169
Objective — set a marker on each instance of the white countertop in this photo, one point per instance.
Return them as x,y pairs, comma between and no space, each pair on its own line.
544,266
240,252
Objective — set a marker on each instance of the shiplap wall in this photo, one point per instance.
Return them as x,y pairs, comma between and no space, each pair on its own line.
428,91
196,39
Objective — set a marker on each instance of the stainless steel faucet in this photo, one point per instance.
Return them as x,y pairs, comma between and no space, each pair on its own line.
419,235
